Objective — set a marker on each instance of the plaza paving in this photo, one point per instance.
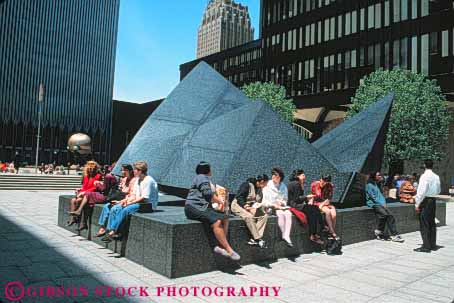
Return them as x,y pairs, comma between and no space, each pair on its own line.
34,251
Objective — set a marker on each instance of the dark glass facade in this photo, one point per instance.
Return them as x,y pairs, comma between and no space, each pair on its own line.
321,49
70,47
240,65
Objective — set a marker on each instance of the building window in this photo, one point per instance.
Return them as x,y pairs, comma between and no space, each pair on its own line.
414,54
424,8
370,55
444,43
332,33
339,61
378,15
403,53
301,38
326,28
347,24
425,54
370,17
339,26
362,19
387,12
354,22
353,58
319,31
433,43
414,9
377,56
308,35
362,56
386,53
396,11
404,10
396,53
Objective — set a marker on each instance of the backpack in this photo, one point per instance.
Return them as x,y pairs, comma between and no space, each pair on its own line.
333,246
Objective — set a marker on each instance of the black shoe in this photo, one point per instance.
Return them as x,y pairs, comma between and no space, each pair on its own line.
100,235
70,223
422,249
107,239
116,237
436,247
83,227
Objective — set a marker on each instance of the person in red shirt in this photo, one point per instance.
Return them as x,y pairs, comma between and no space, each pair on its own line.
323,193
90,179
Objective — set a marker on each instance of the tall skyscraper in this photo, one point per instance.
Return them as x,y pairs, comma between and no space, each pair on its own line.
70,47
225,24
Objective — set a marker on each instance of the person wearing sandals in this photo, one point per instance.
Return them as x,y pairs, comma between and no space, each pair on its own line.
247,205
308,214
275,197
145,191
126,189
323,193
91,175
376,201
198,206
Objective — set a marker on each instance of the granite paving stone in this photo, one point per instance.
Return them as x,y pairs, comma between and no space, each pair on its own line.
371,271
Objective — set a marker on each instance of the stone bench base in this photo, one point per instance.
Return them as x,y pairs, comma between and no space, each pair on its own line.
168,243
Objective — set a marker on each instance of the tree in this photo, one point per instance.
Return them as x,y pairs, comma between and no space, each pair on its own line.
274,95
419,122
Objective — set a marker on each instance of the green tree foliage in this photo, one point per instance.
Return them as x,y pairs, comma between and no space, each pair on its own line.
419,123
274,95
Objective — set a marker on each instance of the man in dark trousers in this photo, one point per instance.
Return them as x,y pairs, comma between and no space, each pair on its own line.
425,203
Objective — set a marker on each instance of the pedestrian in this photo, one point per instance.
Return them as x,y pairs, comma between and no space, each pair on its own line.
17,162
425,204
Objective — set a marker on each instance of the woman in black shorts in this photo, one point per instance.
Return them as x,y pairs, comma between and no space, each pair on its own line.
199,207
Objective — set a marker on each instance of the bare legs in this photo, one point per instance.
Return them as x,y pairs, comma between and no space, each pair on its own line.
82,204
219,230
330,216
72,206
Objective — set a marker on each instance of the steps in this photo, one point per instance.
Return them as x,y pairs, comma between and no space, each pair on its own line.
39,182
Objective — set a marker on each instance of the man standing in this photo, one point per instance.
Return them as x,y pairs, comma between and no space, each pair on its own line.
376,201
425,203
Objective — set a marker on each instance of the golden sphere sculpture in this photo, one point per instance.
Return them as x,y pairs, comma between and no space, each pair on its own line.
79,143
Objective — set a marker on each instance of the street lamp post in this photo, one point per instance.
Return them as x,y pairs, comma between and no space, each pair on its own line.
38,137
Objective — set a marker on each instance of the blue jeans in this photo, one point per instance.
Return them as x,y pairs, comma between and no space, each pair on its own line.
119,213
104,215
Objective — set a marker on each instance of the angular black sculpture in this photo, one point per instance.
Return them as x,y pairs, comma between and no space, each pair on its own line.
206,118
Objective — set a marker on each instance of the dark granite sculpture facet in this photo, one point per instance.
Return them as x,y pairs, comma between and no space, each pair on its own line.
206,118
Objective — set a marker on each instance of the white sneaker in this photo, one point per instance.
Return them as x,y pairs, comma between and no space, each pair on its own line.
235,256
221,251
262,243
252,242
397,238
378,234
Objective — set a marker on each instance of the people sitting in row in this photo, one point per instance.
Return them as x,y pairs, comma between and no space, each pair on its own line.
248,206
4,167
376,200
125,189
199,206
145,191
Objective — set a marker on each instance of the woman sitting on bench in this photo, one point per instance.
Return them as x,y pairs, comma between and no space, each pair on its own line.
145,191
275,196
303,211
323,193
126,188
199,206
91,175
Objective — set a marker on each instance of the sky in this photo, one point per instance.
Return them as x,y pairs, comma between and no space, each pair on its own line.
154,38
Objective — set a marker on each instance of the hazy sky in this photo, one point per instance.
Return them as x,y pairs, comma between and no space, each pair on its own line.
154,38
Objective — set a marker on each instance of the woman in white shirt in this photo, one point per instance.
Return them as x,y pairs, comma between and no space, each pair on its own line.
275,196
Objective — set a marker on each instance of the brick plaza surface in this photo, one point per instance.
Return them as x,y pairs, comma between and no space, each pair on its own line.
34,251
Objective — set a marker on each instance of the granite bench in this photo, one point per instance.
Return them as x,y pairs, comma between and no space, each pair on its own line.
168,243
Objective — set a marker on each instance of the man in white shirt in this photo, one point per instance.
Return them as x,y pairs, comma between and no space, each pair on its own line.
425,203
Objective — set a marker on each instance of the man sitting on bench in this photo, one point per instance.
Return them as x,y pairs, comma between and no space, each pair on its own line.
376,200
145,191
